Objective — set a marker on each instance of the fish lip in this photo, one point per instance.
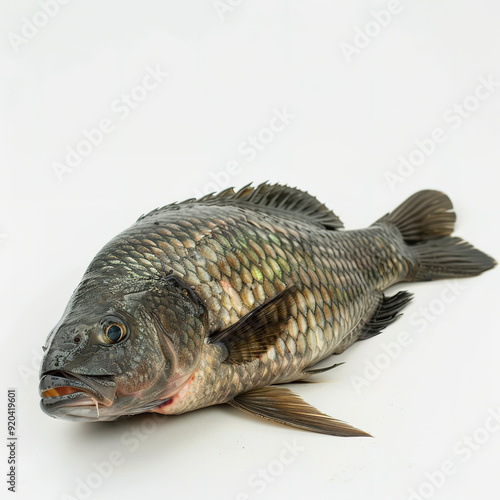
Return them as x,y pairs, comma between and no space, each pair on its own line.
89,390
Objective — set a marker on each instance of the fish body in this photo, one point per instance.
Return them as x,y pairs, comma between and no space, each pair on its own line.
217,300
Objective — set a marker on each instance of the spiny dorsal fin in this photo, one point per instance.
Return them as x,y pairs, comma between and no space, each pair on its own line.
271,198
258,330
281,405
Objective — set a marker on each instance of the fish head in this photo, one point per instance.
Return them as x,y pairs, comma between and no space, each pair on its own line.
121,348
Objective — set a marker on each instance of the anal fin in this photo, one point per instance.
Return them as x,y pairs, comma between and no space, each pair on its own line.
281,405
387,312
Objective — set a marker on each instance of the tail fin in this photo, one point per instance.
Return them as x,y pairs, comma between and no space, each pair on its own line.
426,220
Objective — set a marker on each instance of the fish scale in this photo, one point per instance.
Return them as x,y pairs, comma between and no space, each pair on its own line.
332,266
219,299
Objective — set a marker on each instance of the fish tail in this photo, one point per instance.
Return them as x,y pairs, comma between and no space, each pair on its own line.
426,221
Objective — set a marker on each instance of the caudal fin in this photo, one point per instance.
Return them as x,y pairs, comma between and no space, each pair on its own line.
426,221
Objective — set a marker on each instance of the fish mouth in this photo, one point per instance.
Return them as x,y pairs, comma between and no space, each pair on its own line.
63,391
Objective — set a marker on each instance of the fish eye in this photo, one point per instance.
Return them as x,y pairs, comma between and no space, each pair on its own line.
114,331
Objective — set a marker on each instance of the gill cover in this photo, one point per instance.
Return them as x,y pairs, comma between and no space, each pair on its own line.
177,315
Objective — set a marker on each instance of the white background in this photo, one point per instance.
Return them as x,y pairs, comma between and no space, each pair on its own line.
353,118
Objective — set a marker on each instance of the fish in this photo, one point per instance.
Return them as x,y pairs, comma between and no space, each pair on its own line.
225,298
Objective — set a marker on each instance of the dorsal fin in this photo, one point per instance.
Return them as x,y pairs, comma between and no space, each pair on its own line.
272,198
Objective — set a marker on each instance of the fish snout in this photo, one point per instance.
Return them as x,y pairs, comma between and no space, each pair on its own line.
61,351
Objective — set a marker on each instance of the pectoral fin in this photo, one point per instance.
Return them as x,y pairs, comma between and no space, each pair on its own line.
281,405
257,331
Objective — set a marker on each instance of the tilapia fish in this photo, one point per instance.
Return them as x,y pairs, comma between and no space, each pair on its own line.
220,299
